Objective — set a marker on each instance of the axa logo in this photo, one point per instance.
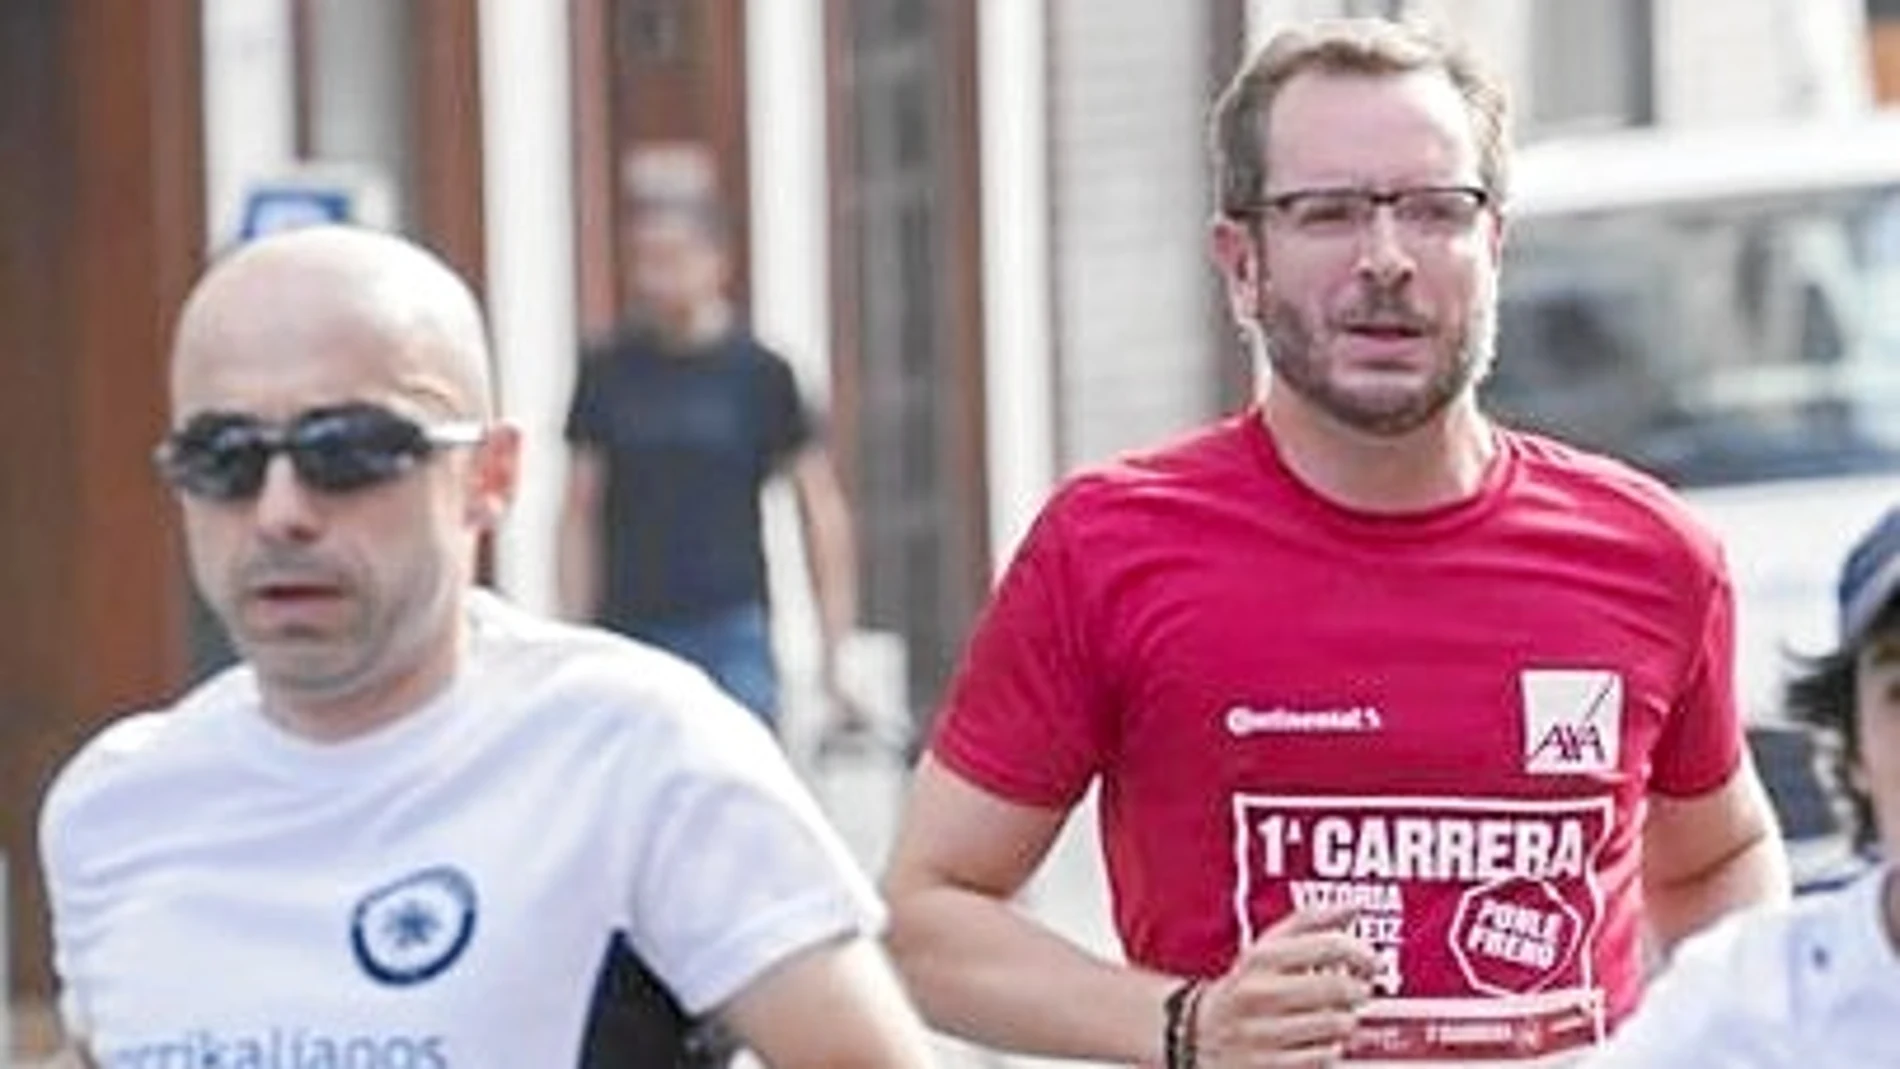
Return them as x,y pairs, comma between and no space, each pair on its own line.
1573,720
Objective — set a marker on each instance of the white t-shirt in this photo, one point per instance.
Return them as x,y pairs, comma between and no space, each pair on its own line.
447,891
1812,985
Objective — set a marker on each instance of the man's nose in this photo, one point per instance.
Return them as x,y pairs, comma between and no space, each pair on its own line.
286,509
1383,252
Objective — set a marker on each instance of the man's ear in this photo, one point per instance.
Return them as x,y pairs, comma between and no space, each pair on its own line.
1237,255
494,471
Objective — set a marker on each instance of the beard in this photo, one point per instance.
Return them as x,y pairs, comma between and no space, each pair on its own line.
1295,353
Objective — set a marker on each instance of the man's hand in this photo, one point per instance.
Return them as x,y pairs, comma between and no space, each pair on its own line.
1292,1000
844,713
850,725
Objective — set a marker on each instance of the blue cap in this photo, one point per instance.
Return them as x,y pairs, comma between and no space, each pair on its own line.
1870,578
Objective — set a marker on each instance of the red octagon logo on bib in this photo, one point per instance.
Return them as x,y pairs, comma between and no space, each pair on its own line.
1514,936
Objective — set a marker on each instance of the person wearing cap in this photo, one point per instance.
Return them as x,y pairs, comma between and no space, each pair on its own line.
1815,983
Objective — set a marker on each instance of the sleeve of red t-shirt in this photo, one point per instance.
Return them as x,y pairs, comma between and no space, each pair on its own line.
1702,743
1028,713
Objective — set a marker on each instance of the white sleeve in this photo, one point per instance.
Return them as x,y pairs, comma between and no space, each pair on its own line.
1722,1002
70,856
62,903
738,868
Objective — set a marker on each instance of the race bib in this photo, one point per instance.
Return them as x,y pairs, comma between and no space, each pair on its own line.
1484,914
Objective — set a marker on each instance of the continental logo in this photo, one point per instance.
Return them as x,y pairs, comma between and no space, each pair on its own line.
1242,721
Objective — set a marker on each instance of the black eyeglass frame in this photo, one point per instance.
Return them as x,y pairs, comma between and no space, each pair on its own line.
1367,201
225,456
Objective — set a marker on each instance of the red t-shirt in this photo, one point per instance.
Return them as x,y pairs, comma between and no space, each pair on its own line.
1450,718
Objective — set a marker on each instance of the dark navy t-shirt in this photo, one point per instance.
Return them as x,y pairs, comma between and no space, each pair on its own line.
688,439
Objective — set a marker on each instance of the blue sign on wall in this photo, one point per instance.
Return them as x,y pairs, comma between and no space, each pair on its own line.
272,208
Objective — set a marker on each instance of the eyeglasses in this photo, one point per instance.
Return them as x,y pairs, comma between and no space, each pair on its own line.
222,456
1419,211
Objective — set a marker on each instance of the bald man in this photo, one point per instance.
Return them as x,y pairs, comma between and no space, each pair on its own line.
416,827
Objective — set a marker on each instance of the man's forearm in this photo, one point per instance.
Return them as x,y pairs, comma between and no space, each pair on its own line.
830,551
834,587
1756,873
981,969
577,570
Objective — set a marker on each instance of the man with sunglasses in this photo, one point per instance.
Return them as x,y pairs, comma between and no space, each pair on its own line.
1404,725
417,827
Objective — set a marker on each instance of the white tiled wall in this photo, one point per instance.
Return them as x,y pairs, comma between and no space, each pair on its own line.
1128,189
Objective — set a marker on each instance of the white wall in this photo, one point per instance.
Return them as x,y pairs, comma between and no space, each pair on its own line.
791,298
785,101
360,96
249,108
1733,62
358,137
529,217
1133,305
1496,29
1759,59
1017,335
1265,16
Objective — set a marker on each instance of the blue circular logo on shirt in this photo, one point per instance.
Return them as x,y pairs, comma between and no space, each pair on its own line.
410,930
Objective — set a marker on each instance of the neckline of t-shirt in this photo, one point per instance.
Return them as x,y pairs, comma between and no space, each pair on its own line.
1871,959
1413,526
417,736
732,344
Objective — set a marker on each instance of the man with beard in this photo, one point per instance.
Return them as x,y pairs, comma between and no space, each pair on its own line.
1410,730
418,826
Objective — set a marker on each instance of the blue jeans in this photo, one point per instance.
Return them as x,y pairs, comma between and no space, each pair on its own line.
734,646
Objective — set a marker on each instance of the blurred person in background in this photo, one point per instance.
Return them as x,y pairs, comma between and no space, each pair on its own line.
1407,726
417,826
677,423
1815,984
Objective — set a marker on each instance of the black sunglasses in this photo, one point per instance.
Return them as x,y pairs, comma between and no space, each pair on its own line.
222,456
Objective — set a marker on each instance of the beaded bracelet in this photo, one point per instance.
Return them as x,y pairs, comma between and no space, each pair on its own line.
1177,1030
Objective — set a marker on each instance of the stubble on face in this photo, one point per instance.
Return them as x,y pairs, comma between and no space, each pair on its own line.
354,624
338,602
1297,346
1375,331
